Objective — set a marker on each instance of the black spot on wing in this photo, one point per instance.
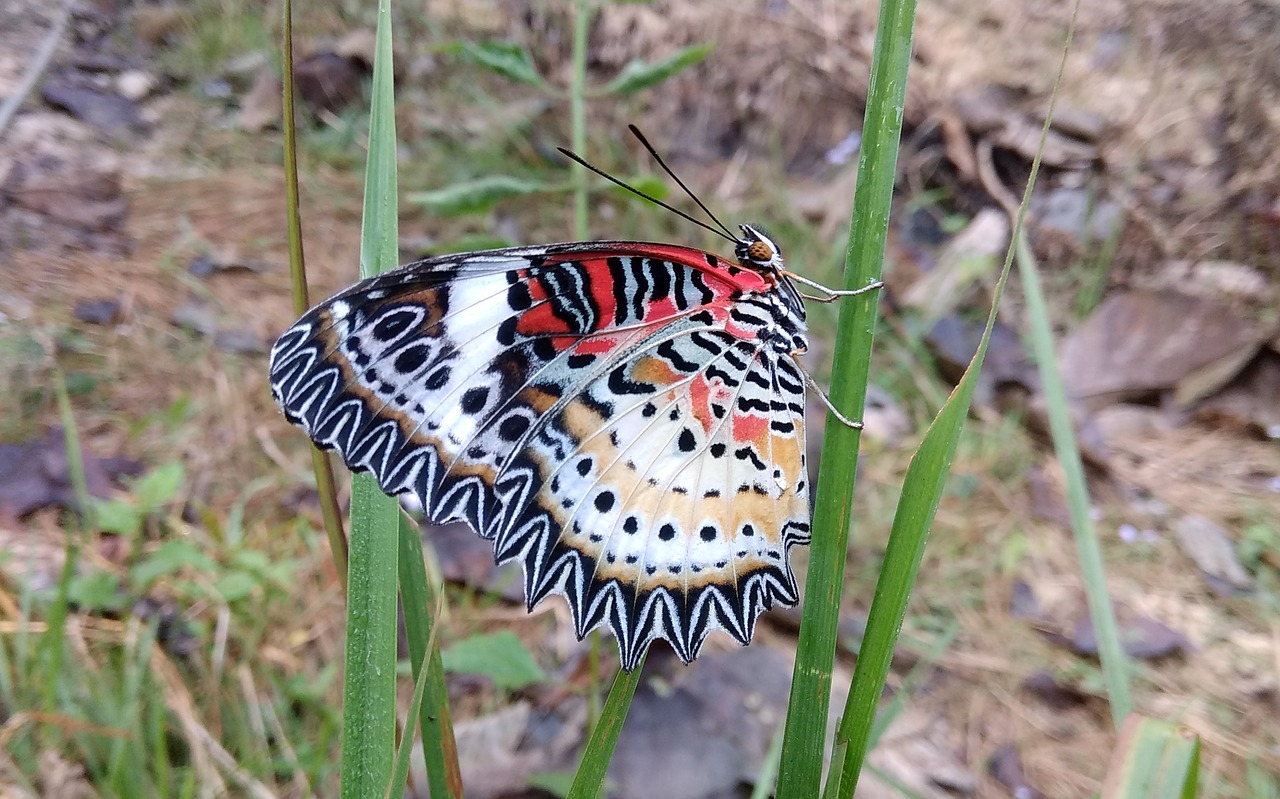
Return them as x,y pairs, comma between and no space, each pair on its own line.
671,353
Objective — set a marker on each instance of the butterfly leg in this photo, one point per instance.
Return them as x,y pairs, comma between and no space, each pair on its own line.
817,389
833,294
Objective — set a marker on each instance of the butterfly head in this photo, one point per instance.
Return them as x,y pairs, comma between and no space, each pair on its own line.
757,251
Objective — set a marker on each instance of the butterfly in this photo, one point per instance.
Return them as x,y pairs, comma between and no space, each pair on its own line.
624,419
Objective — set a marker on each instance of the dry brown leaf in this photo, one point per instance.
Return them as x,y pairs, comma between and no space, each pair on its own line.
262,106
1137,343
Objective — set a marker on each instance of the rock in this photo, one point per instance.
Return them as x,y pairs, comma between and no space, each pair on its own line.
1207,544
328,82
98,312
136,85
105,111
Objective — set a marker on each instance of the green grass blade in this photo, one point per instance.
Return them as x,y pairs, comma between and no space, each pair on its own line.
510,60
321,465
400,771
369,698
769,768
53,641
1110,651
885,718
589,780
428,674
368,713
921,492
805,736
638,74
477,195
1153,760
439,749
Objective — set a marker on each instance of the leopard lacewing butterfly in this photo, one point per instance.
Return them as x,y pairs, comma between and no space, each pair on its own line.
625,419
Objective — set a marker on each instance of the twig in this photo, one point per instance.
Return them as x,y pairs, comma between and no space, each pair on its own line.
38,64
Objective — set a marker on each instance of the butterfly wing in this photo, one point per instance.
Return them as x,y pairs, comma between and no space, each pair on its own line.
668,493
601,411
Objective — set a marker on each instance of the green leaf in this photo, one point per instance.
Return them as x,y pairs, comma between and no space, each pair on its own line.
282,573
588,782
508,59
158,486
169,558
553,782
501,657
81,384
639,75
251,560
475,196
651,185
421,605
117,516
234,586
1115,668
1153,760
96,591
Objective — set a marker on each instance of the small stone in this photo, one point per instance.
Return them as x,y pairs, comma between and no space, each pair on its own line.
136,85
195,316
238,341
1213,551
104,110
217,89
98,312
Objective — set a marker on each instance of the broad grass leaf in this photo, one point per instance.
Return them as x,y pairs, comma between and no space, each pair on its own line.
508,59
638,75
476,196
1153,759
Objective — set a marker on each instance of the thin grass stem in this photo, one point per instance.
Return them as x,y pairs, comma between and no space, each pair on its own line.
321,465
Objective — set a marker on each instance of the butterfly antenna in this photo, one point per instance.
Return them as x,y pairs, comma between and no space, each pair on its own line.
580,160
653,152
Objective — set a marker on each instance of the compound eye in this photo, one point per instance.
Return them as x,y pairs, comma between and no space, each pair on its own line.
760,252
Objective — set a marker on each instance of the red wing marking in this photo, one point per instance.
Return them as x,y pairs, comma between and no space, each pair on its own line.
750,429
